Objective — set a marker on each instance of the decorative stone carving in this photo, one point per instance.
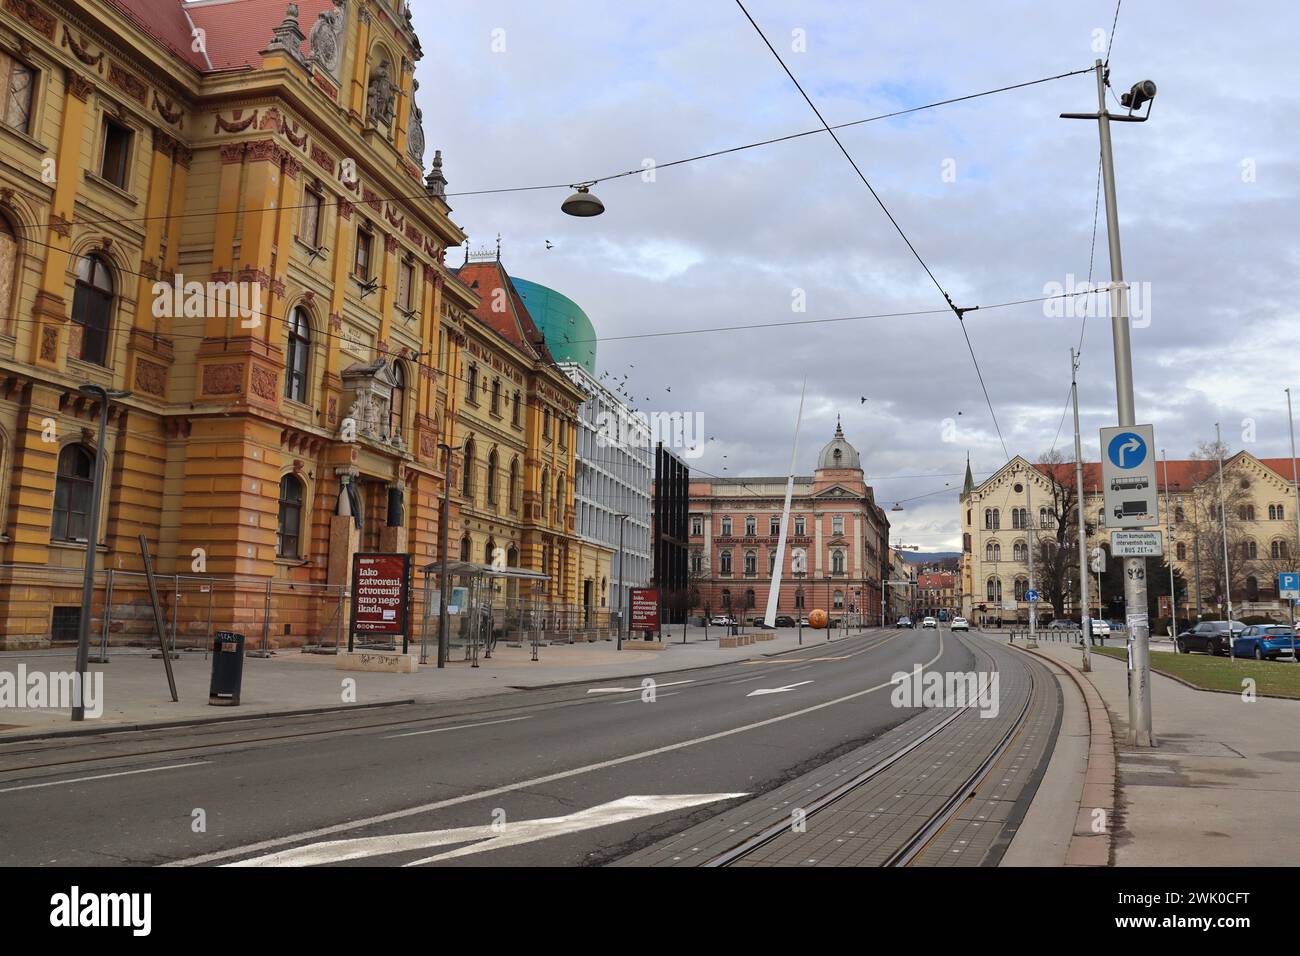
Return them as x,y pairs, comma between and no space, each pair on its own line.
166,110
81,50
128,83
79,86
261,382
369,386
222,379
49,344
326,39
150,377
31,14
436,183
415,135
288,37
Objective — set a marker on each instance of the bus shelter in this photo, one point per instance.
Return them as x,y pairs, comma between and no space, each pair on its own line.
477,611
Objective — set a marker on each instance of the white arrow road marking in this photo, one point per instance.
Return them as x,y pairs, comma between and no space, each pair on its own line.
483,838
776,690
443,730
538,781
628,690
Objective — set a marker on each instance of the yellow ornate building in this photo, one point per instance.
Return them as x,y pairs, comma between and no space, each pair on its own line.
220,206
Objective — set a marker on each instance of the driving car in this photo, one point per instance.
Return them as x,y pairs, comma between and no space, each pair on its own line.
1209,637
1262,641
929,622
905,621
960,624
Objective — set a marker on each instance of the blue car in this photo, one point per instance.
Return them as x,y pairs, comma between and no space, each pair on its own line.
1265,641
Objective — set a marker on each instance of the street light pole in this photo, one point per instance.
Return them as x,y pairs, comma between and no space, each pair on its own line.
1223,527
104,396
621,518
1085,618
444,642
1135,584
1169,554
1033,544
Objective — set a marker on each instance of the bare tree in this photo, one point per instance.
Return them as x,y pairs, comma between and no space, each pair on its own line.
1056,554
1210,524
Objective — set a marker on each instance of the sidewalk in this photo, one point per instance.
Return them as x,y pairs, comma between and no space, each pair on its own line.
1223,786
135,684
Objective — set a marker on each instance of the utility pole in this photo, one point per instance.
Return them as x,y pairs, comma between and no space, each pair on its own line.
1169,553
1295,484
1085,619
104,396
444,638
1135,584
621,519
1033,544
1223,527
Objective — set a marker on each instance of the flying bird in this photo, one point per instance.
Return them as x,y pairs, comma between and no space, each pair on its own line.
548,244
864,401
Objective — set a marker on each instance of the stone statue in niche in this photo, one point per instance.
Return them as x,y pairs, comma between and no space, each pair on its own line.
380,96
326,38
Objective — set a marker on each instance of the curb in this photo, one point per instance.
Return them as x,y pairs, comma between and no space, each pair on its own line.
1100,781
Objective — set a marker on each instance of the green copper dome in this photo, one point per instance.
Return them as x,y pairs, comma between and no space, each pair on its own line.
569,333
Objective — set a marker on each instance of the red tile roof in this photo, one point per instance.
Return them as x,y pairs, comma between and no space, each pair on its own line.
512,323
1183,473
239,30
936,581
165,21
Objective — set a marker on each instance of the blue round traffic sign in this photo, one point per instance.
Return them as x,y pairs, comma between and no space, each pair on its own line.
1031,596
1127,450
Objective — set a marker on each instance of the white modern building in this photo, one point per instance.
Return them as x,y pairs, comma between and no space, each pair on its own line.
615,466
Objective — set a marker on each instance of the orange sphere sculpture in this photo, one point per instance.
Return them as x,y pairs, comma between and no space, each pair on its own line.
817,618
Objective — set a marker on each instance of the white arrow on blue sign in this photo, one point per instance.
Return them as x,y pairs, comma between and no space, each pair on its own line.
1031,596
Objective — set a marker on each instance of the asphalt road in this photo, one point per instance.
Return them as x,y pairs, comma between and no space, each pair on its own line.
574,775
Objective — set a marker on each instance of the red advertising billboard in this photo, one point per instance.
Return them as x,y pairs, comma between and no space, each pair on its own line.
380,593
644,609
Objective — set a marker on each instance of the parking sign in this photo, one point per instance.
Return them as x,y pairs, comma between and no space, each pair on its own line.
1288,586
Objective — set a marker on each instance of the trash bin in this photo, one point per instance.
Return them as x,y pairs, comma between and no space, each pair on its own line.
227,669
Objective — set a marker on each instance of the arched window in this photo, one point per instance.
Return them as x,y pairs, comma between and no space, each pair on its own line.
73,490
726,597
1252,588
1020,551
798,599
397,407
514,485
465,545
1182,551
1046,519
92,308
1280,510
1249,550
559,498
489,550
751,526
1279,549
8,268
289,530
993,551
512,557
965,542
724,562
751,562
1021,586
997,519
546,492
1017,517
837,562
994,589
295,366
749,597
1246,512
467,474
1179,515
491,483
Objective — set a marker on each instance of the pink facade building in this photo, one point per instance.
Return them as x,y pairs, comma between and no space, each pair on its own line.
838,535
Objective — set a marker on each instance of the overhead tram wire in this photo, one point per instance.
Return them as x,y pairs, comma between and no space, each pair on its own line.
958,312
423,194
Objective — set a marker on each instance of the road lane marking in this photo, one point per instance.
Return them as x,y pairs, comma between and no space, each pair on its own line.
628,690
760,691
104,776
441,730
532,782
635,700
487,837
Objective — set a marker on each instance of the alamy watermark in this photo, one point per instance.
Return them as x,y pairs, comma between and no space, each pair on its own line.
1079,298
953,690
38,690
198,300
679,430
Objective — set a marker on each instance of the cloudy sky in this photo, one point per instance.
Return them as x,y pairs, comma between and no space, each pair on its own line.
997,194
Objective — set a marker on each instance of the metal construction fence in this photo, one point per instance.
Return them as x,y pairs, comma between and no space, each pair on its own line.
41,608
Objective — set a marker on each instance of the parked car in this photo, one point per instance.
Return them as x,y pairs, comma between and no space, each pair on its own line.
960,624
929,622
1209,637
803,621
1062,624
721,620
1100,628
784,620
1269,641
905,621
